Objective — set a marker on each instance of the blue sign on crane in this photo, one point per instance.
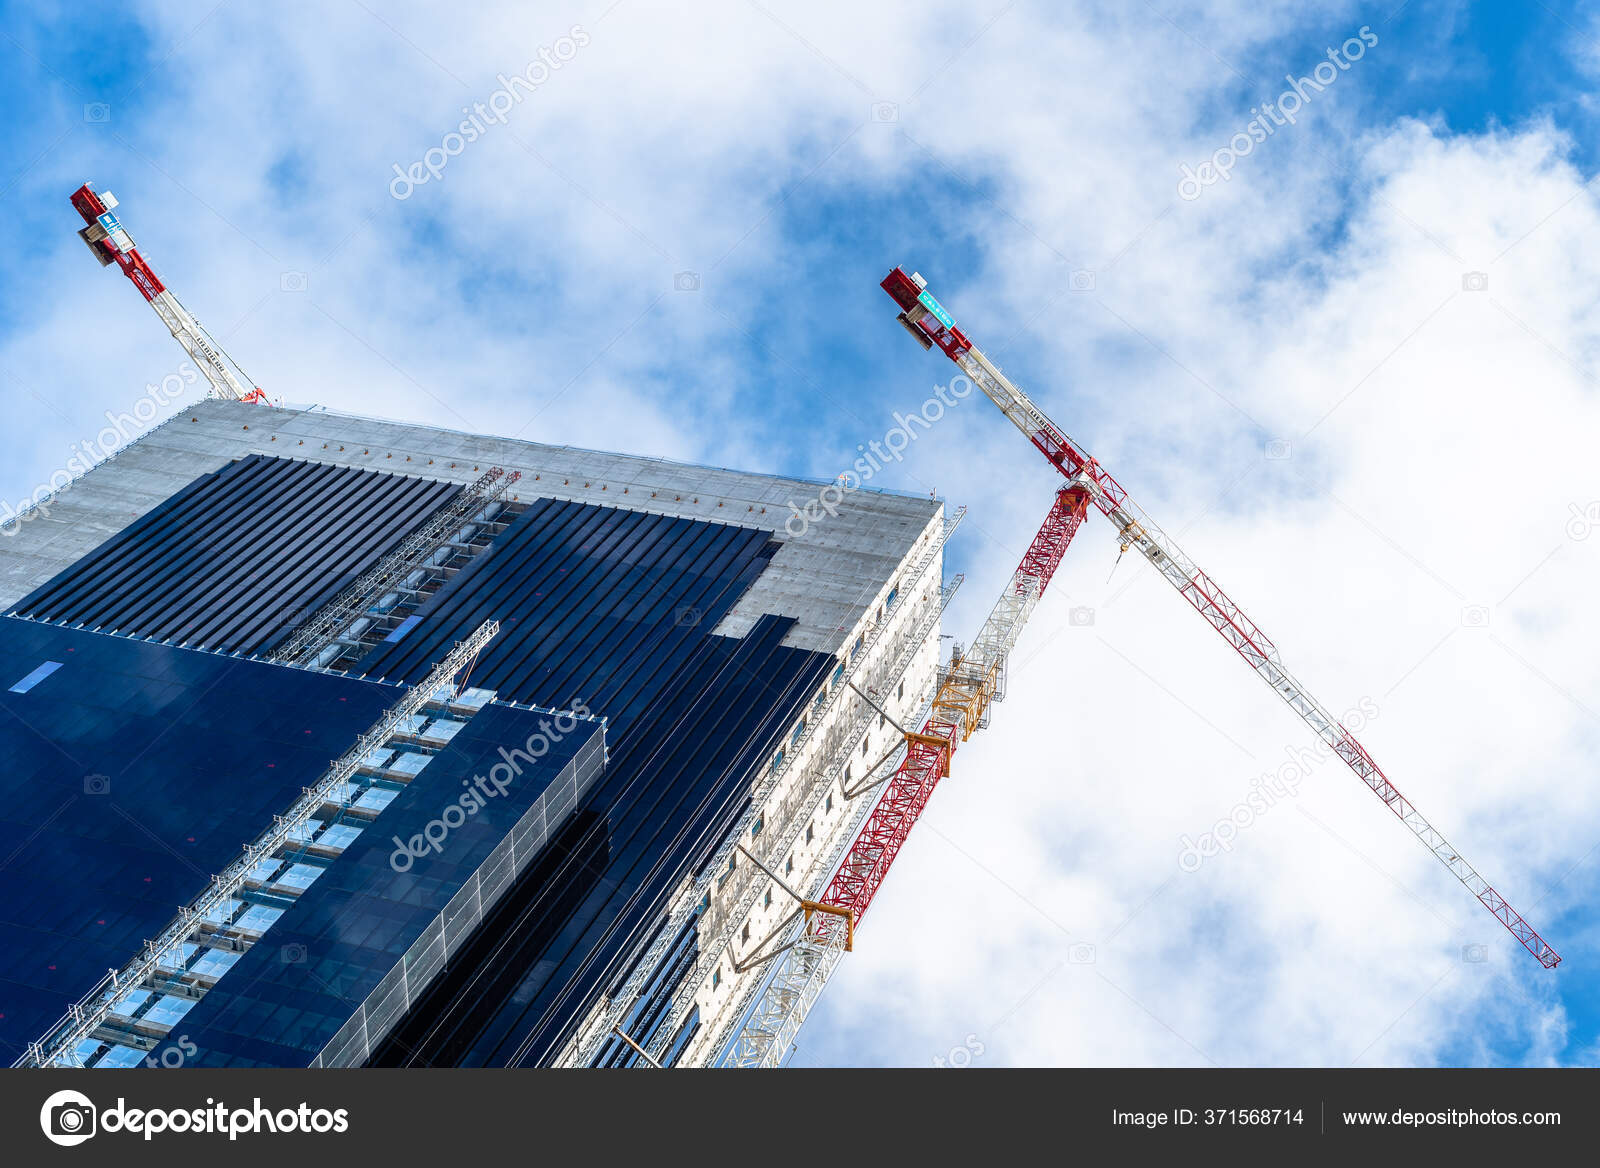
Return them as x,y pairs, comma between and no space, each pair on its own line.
117,237
927,301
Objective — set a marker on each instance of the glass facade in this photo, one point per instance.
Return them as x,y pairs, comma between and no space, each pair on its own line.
347,960
238,558
541,903
614,608
132,774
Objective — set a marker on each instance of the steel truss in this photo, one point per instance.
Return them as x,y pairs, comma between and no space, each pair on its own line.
960,707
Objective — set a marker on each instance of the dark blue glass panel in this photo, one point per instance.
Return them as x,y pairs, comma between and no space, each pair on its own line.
239,557
133,773
595,604
677,782
287,997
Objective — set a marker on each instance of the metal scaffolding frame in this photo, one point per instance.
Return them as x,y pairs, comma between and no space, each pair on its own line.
334,622
960,707
823,777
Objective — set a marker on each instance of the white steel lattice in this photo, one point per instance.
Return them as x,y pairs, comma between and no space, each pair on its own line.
1138,530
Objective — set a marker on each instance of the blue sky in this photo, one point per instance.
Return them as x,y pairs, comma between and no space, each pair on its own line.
530,291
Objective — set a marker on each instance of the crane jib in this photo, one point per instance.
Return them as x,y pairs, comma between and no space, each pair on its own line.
1204,595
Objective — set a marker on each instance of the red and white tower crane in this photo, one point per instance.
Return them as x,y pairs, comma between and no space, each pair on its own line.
927,321
802,967
111,244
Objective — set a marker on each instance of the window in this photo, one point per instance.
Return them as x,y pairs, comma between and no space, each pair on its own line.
744,934
716,977
838,675
901,692
893,594
766,901
864,747
755,828
861,640
36,677
705,902
829,805
847,767
808,833
788,866
799,733
777,760
880,721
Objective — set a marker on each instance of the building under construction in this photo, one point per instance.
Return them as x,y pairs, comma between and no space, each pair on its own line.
554,857
342,742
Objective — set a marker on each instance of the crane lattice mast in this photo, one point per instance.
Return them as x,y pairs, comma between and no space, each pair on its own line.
973,680
111,244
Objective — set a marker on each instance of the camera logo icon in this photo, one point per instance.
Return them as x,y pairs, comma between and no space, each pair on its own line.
97,784
1080,617
687,617
97,112
294,953
292,282
1475,616
1081,953
68,1118
1277,449
1082,280
686,282
1474,954
1474,281
885,111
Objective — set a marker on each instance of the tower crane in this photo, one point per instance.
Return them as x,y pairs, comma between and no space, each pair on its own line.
931,325
111,244
973,680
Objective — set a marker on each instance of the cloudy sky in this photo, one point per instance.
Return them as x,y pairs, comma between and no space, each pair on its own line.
1356,378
